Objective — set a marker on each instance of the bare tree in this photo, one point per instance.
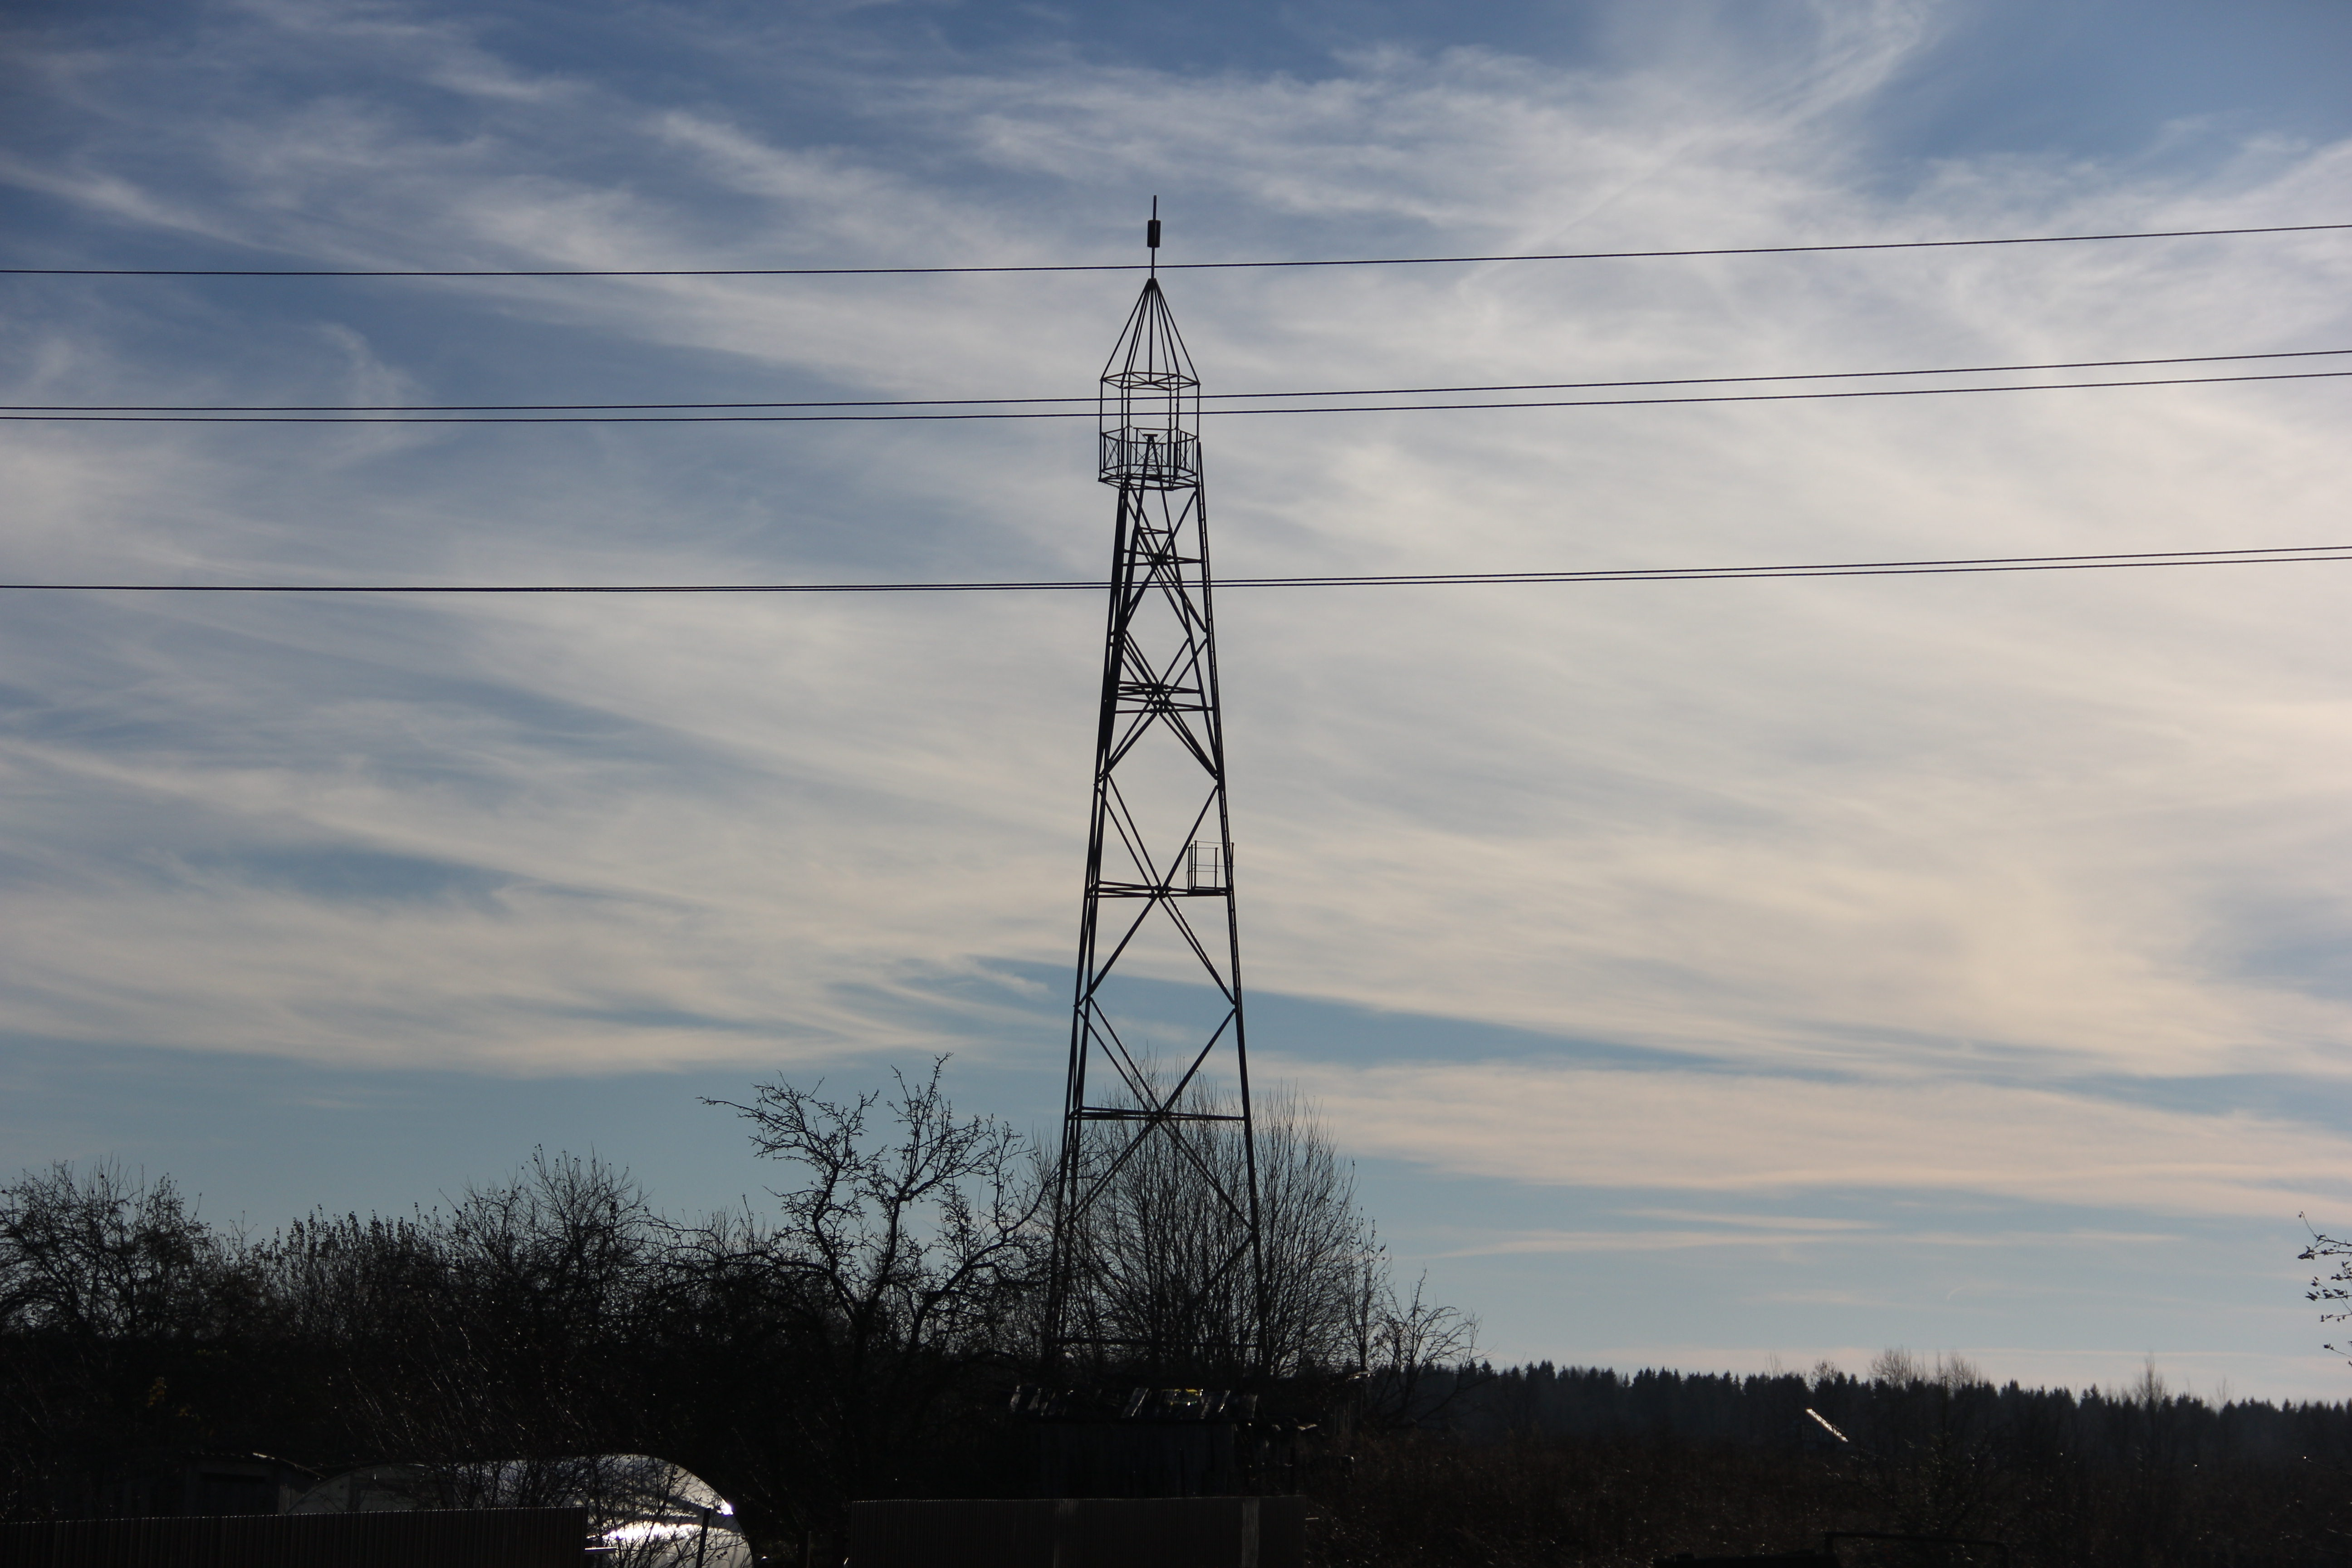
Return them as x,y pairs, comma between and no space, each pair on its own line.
2332,1291
1414,1356
907,1254
1164,1282
507,1326
1165,1279
1318,1242
1161,1285
110,1288
97,1254
1928,1453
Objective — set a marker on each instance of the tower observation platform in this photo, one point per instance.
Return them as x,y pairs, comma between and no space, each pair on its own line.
1150,405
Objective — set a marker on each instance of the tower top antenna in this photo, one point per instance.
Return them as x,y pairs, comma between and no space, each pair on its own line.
1151,236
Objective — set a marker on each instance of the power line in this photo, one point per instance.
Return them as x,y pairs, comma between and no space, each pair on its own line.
1138,267
2250,556
965,413
64,409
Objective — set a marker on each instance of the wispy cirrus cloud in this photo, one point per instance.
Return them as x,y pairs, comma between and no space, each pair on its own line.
1796,1234
1891,885
1787,822
1735,1133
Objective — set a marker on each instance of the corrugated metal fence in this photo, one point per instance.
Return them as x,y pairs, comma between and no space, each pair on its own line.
467,1538
1080,1533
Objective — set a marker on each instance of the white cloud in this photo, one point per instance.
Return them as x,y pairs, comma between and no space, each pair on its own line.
1723,1132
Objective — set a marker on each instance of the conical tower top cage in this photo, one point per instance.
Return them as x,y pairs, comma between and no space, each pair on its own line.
1150,404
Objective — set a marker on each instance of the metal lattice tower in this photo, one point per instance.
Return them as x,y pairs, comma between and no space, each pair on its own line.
1158,1094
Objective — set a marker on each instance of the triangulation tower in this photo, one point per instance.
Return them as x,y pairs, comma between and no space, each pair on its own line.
1157,1264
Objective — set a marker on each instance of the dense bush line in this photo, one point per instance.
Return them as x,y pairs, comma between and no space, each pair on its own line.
857,1336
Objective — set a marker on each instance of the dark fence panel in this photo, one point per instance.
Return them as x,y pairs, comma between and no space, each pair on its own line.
1081,1532
468,1538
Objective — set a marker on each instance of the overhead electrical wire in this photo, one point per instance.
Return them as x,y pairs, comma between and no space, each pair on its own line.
1137,266
2247,556
353,408
966,413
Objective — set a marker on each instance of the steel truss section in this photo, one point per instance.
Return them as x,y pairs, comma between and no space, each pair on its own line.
1159,897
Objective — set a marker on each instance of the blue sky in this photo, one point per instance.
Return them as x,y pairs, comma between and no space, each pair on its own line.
1701,975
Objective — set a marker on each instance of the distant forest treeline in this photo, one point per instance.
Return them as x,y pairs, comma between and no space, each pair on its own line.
2112,1426
859,1337
1547,1465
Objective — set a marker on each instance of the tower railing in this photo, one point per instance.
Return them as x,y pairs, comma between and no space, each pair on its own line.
1154,459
